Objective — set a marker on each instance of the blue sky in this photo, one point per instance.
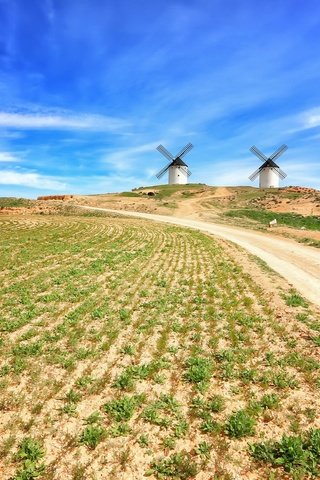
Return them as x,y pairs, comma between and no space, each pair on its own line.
89,88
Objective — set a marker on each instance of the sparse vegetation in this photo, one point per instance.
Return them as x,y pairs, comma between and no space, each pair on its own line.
92,435
298,455
129,194
240,424
178,466
265,216
310,241
123,408
295,300
164,191
120,341
29,454
10,202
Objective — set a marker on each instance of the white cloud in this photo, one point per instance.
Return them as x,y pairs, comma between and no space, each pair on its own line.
8,157
311,118
34,180
60,121
125,158
105,184
303,121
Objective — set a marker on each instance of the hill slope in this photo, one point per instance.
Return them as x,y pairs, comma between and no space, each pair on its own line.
296,209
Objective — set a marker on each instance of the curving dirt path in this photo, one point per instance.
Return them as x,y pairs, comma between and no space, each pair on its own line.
193,207
298,264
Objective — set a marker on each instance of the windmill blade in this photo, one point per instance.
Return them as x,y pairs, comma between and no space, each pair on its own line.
280,172
254,175
184,150
258,153
279,152
165,152
163,171
189,173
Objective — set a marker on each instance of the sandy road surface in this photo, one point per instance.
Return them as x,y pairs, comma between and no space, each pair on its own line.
298,264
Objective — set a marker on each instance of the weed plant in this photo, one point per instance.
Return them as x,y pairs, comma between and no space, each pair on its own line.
178,466
299,455
240,424
30,453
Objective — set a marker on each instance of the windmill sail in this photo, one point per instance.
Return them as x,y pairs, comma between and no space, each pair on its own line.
184,150
254,175
165,152
278,152
163,170
178,169
269,170
258,153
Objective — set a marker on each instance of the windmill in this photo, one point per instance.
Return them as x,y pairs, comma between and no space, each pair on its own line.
178,170
269,172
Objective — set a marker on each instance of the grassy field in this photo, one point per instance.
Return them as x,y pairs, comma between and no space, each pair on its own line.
131,349
288,219
164,191
9,202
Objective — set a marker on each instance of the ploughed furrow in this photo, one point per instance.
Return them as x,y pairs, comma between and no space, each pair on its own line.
130,349
70,237
76,264
62,292
126,325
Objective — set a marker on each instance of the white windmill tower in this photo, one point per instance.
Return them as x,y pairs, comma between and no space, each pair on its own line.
178,170
269,172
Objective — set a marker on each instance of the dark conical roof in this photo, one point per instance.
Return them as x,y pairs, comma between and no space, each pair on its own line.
269,164
177,162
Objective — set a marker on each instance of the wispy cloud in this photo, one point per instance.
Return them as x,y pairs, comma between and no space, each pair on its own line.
63,121
8,157
31,179
125,158
301,121
311,118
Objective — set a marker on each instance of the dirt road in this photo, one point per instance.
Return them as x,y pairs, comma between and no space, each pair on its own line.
194,207
298,264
